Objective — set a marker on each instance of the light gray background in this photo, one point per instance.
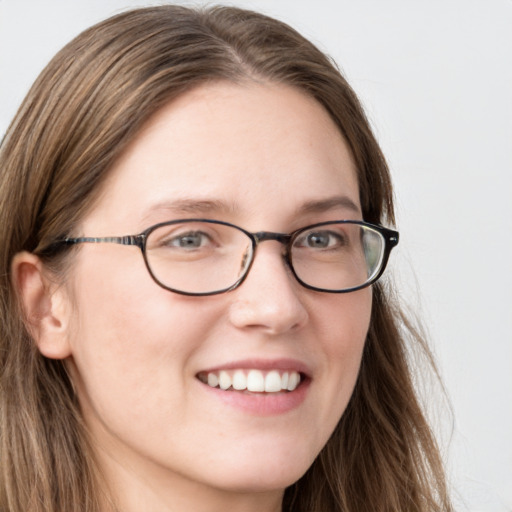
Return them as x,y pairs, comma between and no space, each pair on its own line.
436,80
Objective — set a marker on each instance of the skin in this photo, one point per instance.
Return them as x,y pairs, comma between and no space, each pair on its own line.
164,441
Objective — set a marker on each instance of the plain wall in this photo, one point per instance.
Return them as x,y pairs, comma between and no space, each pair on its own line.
436,80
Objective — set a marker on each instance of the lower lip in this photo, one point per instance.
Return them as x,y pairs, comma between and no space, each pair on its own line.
262,404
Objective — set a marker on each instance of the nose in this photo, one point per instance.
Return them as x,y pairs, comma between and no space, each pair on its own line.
270,297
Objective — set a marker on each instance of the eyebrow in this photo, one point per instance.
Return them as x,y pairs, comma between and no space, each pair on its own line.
331,203
214,206
192,206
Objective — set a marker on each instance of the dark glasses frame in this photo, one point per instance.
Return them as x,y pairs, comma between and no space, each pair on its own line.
391,238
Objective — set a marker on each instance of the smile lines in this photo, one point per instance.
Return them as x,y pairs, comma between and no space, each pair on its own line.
255,381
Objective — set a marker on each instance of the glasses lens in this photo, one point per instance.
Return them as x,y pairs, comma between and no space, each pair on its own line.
338,256
198,257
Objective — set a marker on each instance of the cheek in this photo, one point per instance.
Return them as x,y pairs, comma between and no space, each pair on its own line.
118,300
344,329
343,322
131,340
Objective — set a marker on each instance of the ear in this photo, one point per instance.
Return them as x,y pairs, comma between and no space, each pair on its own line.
46,306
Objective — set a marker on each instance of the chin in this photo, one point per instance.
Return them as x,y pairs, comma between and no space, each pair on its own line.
275,474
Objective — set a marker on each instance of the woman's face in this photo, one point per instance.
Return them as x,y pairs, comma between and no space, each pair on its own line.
264,157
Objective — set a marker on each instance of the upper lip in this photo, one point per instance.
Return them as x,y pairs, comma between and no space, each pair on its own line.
283,364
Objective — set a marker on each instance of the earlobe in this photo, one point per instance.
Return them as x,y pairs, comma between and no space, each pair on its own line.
45,306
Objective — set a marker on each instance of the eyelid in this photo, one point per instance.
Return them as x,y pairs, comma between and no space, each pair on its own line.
212,234
176,227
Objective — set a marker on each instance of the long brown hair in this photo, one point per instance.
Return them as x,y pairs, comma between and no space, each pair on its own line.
83,110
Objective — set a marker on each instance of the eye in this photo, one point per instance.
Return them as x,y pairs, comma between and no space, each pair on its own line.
188,240
324,239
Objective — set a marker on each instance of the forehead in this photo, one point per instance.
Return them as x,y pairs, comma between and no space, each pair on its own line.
243,147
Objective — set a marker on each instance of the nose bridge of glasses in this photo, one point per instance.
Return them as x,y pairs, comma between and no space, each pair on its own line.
282,238
263,236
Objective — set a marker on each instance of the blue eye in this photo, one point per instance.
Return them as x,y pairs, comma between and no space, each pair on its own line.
320,240
190,240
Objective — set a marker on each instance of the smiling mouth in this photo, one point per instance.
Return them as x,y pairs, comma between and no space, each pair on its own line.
254,381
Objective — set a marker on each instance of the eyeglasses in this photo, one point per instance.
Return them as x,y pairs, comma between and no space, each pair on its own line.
207,257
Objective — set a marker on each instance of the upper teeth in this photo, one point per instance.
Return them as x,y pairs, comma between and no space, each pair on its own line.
254,380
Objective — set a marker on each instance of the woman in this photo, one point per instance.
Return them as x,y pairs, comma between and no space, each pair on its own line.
160,351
